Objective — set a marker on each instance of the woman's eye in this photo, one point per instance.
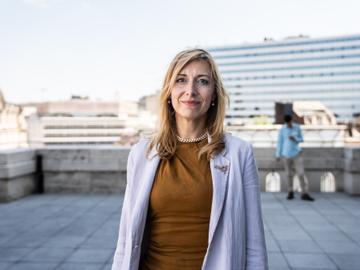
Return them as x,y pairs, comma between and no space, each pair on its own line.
180,80
203,81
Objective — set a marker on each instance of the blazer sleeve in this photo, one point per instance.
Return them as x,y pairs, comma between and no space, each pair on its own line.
124,219
256,255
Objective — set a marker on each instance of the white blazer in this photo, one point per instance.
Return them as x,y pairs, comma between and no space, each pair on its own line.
236,235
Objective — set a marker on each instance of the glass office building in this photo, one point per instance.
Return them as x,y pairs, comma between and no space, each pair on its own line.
295,69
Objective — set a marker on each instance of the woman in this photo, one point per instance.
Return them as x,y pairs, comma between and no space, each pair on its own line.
192,199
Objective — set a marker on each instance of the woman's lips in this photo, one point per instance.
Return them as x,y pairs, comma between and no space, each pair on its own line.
191,103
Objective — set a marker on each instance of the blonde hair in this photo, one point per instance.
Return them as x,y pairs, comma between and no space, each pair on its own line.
165,139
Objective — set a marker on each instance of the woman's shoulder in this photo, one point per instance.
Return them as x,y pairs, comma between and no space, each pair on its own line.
142,143
237,148
233,142
140,147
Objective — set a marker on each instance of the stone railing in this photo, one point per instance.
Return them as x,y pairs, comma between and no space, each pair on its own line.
318,163
17,173
314,135
94,169
102,169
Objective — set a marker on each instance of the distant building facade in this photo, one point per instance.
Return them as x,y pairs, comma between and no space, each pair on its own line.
12,125
150,103
295,69
83,121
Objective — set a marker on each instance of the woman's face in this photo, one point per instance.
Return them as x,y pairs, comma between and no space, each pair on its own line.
193,92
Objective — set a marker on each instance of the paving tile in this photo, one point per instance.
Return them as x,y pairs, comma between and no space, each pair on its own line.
355,236
4,265
80,266
33,266
107,233
26,240
291,234
48,254
109,228
277,261
299,246
308,268
335,236
107,266
5,240
283,221
271,244
91,255
12,254
51,227
310,261
322,226
100,242
65,241
343,218
79,230
346,262
340,247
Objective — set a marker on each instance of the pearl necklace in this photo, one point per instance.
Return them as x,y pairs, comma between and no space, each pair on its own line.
187,140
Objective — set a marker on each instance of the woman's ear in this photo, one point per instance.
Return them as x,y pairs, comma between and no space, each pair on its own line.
213,98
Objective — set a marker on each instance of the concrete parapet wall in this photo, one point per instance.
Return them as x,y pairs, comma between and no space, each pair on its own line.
102,169
95,169
17,173
352,171
317,162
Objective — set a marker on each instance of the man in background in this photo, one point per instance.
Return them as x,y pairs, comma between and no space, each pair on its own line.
289,151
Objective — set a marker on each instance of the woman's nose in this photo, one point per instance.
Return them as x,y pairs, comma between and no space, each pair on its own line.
191,88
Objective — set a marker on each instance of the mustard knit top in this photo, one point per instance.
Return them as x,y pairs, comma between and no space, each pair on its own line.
179,211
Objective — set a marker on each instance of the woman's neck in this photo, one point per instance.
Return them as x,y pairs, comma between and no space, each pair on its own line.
190,129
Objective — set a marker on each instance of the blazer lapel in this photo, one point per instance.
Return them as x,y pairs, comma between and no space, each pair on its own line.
219,167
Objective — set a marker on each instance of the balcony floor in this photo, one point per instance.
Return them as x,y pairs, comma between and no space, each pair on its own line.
75,232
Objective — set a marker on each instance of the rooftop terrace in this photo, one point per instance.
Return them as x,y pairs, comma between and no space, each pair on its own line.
55,230
75,232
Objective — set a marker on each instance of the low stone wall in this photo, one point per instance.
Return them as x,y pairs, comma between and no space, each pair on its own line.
17,173
95,169
352,171
317,162
102,169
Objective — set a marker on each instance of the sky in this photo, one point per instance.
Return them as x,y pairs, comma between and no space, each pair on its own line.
109,49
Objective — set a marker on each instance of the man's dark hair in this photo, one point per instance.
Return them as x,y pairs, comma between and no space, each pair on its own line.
287,118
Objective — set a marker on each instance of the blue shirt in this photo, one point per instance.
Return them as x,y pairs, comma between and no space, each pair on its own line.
285,146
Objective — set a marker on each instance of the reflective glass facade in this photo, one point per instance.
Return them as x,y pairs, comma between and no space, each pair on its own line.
296,69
